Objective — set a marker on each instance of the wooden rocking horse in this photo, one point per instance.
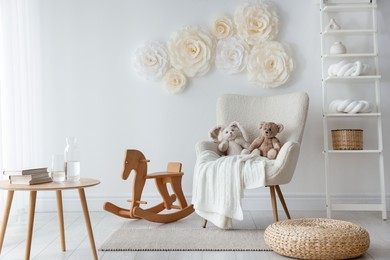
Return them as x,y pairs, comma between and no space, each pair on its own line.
135,161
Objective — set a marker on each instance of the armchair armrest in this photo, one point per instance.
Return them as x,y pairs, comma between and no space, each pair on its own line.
284,164
207,146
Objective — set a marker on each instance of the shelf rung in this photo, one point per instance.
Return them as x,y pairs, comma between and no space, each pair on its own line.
354,151
367,77
352,115
348,7
350,55
357,207
356,31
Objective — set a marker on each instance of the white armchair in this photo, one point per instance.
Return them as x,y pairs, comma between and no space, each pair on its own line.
289,110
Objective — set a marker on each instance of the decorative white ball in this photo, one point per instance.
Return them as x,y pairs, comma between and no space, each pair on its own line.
151,61
232,55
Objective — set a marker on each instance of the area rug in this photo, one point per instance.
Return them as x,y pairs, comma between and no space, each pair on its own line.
182,239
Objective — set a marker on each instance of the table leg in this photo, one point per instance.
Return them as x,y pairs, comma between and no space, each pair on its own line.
88,222
61,219
31,212
7,209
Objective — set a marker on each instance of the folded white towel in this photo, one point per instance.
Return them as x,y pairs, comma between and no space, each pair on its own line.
219,184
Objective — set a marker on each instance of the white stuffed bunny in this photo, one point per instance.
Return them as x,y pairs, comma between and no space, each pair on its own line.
232,139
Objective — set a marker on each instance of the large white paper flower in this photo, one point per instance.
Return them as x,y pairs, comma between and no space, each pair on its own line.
232,55
174,81
191,50
256,22
269,64
151,60
223,27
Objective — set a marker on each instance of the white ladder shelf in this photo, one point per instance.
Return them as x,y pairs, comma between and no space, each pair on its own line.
327,9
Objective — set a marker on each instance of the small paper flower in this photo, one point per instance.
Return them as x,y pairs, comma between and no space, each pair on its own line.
269,64
151,61
232,55
256,23
174,81
191,50
223,27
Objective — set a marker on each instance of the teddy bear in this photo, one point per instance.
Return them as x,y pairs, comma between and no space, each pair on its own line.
267,144
231,139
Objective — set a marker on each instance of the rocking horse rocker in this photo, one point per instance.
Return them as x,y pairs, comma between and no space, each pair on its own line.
135,161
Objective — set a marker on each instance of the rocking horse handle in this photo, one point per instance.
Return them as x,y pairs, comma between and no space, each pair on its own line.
142,160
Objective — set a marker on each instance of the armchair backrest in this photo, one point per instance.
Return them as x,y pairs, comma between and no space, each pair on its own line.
288,109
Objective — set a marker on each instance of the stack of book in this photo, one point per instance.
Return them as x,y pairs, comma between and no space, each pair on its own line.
28,176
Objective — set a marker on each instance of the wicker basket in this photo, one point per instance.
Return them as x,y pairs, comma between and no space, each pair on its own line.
317,238
347,139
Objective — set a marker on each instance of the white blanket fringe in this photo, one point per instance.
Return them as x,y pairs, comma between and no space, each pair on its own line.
216,196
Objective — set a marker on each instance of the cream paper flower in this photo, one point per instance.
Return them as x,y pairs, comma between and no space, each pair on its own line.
256,22
174,81
151,60
269,64
223,27
232,55
191,50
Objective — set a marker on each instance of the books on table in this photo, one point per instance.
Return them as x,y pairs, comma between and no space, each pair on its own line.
25,172
28,176
32,181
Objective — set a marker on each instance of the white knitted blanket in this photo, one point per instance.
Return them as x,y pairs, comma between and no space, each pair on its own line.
219,184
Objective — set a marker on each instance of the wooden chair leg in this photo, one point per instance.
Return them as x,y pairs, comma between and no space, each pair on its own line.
274,204
281,198
178,190
204,223
162,188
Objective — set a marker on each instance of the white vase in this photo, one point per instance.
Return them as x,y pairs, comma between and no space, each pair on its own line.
338,48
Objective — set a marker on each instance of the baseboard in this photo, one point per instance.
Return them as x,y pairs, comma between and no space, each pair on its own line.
295,201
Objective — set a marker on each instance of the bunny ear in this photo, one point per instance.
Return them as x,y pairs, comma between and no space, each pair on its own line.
244,134
281,127
234,124
214,133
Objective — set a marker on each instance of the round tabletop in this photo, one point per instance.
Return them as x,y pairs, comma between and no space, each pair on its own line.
82,183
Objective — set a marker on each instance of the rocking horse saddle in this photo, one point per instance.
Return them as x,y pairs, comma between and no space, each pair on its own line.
135,161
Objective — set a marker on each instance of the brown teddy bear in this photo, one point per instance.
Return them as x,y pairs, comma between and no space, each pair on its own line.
232,139
267,144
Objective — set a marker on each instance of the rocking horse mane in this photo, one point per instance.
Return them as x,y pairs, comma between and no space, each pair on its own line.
133,160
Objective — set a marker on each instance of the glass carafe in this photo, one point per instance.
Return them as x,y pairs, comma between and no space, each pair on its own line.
72,159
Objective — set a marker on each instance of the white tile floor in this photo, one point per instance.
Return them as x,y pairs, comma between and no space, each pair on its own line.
46,241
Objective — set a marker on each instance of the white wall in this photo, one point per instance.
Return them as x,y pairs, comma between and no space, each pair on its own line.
92,92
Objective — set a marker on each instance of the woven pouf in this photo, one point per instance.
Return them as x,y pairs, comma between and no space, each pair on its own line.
317,238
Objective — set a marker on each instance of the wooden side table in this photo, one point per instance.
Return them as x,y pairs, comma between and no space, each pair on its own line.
55,186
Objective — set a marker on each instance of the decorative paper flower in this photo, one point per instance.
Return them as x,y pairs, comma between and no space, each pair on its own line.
269,64
151,60
191,50
223,27
174,81
232,55
256,23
